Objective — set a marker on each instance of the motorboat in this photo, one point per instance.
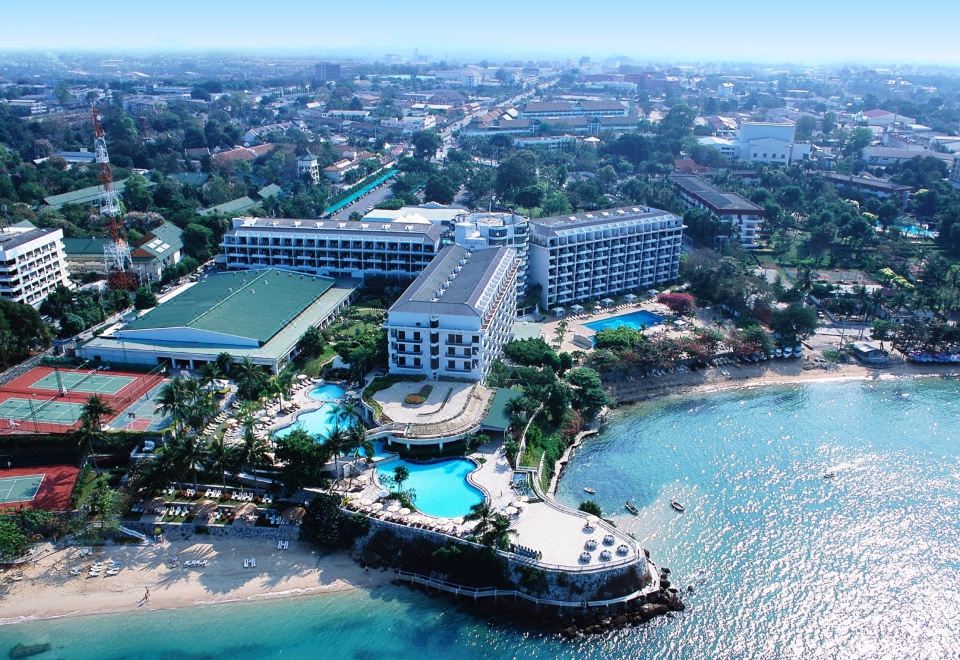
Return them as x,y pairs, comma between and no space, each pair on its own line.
829,475
676,505
632,508
589,490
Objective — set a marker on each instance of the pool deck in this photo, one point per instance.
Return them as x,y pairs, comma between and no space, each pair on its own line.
577,324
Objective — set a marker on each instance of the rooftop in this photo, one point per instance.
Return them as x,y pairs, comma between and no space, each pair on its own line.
339,226
85,195
497,418
866,182
632,214
160,243
15,235
458,275
713,196
254,305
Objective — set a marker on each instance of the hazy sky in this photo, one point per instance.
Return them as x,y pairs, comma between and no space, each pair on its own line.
811,31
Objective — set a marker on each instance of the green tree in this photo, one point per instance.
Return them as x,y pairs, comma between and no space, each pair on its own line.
498,534
588,393
517,171
829,122
144,298
254,451
440,188
13,541
136,193
483,513
795,321
302,458
591,507
426,144
880,330
400,475
221,458
250,378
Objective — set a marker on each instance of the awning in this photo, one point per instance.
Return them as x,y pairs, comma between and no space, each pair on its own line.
576,308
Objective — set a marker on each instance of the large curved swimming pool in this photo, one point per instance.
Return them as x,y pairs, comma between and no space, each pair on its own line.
441,487
321,420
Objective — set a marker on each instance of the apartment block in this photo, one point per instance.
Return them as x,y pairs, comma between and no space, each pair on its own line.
454,319
32,263
590,256
331,248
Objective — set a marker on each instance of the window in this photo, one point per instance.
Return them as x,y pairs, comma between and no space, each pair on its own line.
402,361
451,364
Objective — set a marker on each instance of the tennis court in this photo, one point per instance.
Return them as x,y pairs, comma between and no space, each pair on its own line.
55,412
20,489
83,381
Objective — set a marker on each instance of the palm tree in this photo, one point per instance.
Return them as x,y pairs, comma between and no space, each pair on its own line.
249,378
336,442
280,385
191,452
224,362
91,421
346,412
358,443
254,450
498,536
209,372
482,512
400,474
173,400
221,457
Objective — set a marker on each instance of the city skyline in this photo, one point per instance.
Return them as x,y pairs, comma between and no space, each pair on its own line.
747,31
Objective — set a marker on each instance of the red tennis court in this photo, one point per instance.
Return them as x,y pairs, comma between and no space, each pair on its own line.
53,494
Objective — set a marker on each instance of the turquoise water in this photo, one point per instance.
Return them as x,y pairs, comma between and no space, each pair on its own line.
321,420
441,487
784,563
635,320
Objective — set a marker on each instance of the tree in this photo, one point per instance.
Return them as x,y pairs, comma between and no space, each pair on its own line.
440,188
829,122
498,534
222,457
93,413
336,443
483,513
311,342
250,379
400,474
190,453
136,194
358,444
533,352
591,507
806,125
254,452
516,171
880,330
302,458
198,241
224,362
795,321
13,541
144,299
860,138
588,393
426,144
330,527
679,303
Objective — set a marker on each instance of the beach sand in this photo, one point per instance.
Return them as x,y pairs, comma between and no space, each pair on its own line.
48,590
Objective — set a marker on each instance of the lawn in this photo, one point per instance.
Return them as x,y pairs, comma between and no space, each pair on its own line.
89,481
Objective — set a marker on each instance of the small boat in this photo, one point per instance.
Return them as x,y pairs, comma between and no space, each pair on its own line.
829,475
632,508
676,505
587,489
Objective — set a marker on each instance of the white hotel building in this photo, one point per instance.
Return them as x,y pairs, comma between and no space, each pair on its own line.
331,248
477,231
32,263
453,321
591,256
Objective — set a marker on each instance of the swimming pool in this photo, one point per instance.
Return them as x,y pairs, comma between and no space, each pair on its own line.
635,320
320,420
441,488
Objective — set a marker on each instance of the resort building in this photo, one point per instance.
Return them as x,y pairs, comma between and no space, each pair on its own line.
770,142
331,248
602,254
745,216
258,314
32,263
456,316
867,185
485,230
430,212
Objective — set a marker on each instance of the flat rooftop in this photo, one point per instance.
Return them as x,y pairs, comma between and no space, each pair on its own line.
713,196
254,304
600,218
373,228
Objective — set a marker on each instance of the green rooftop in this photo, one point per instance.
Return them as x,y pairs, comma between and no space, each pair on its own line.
88,195
497,418
77,247
233,206
249,304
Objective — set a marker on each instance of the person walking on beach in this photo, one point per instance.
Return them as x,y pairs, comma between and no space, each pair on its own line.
146,595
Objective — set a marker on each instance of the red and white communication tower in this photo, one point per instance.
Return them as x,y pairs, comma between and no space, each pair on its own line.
116,252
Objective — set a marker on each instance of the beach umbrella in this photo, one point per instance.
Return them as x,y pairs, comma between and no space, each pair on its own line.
630,298
576,308
404,511
393,508
606,302
511,511
376,506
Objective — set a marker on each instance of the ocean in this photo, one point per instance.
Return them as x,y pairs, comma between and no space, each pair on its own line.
784,560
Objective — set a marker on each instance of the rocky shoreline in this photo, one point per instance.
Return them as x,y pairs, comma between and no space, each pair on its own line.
569,623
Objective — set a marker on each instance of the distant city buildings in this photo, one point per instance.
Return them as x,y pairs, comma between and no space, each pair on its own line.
32,263
327,72
590,256
743,215
454,319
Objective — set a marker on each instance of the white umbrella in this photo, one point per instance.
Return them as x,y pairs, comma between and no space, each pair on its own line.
510,510
404,511
376,506
393,508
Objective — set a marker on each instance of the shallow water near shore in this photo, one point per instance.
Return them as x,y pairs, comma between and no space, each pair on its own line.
784,562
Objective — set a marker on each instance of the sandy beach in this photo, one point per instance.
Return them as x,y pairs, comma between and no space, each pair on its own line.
48,590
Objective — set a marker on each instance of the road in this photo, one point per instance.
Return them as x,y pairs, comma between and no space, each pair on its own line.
372,198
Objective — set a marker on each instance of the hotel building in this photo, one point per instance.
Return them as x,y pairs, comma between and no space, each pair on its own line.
477,231
602,254
745,216
454,319
331,248
32,263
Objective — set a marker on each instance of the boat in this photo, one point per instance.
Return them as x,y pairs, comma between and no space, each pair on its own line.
676,505
587,489
632,508
829,475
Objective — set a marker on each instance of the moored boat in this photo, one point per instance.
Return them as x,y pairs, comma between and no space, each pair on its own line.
632,508
587,489
676,505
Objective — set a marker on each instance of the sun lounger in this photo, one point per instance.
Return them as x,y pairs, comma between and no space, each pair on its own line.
246,563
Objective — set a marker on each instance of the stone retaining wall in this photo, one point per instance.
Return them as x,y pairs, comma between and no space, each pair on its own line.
183,530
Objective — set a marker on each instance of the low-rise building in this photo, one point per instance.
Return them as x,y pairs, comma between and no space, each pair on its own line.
160,249
476,231
871,186
258,315
770,142
32,263
745,216
331,248
590,256
454,319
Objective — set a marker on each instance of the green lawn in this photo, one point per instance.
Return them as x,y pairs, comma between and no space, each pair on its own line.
89,481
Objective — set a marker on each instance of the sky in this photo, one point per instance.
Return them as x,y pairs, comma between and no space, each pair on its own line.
813,31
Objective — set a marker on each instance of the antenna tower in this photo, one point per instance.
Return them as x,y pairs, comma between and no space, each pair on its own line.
116,252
